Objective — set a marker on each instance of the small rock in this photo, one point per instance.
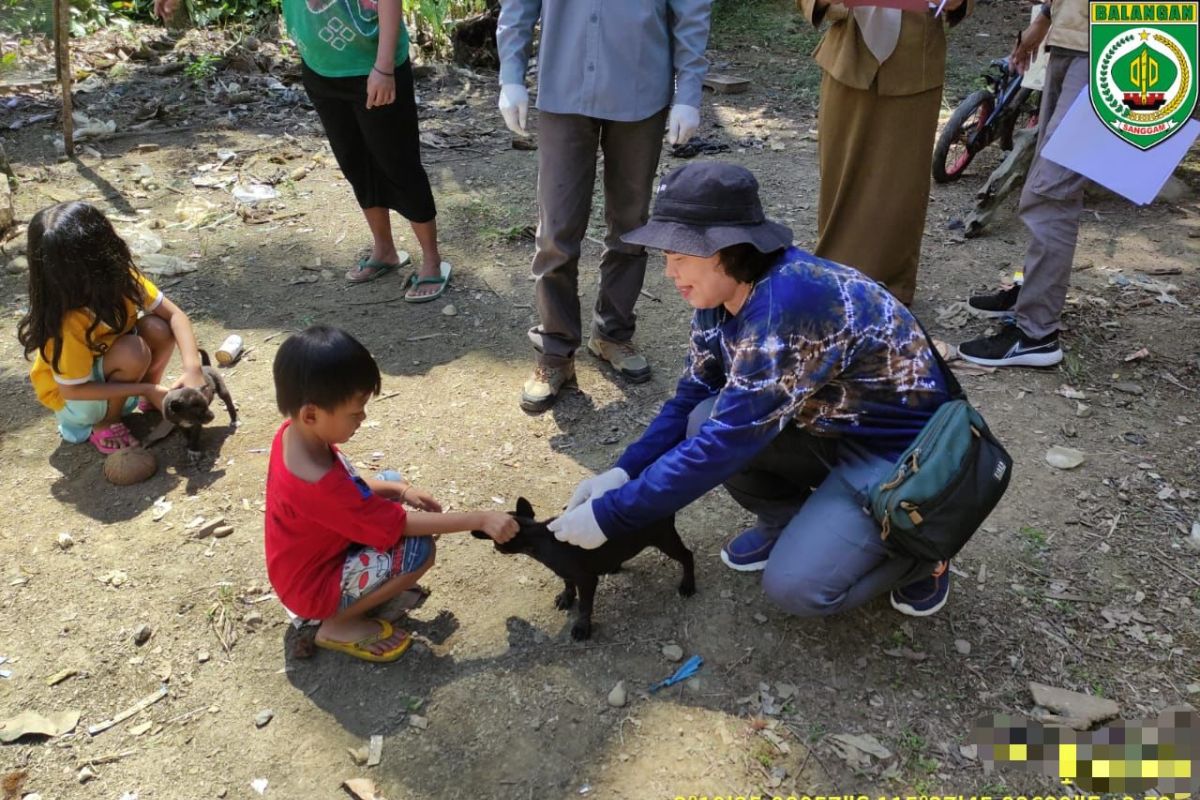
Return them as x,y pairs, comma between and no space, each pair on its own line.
253,618
65,541
203,657
760,618
672,652
449,311
1128,388
375,750
1193,688
1083,410
263,717
418,722
618,697
1075,710
785,690
208,527
222,792
726,594
17,265
1061,457
358,755
142,634
962,646
86,774
222,531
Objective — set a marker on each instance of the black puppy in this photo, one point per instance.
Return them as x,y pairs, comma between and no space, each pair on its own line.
581,569
190,408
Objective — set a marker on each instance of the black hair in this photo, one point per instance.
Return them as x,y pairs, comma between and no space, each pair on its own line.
745,263
76,261
324,367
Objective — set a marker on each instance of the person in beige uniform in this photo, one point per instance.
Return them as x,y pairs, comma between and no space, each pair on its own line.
880,96
1051,202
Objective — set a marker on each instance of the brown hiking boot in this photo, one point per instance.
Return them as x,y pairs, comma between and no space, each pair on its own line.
541,390
623,357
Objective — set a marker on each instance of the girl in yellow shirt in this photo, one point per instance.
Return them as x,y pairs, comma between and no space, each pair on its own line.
101,331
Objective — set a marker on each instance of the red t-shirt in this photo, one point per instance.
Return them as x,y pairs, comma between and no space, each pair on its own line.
310,526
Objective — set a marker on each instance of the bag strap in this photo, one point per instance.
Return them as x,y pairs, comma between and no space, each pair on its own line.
952,384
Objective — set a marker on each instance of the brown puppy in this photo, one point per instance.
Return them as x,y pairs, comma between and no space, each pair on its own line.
189,408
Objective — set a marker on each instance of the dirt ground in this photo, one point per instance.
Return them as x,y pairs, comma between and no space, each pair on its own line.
1082,579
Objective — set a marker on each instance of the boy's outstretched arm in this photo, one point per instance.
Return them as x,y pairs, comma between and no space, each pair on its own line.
498,525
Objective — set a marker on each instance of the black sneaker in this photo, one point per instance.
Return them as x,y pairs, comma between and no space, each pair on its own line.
1012,348
996,304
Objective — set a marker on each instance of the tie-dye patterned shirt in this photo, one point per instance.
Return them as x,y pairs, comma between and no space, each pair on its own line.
816,344
338,38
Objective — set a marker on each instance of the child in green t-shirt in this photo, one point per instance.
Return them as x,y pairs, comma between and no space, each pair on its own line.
358,75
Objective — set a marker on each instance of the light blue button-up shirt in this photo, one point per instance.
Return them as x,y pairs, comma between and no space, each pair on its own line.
622,60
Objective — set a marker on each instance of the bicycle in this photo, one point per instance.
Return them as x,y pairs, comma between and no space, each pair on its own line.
985,116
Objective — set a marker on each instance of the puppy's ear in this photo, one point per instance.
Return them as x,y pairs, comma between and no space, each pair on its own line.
480,535
524,509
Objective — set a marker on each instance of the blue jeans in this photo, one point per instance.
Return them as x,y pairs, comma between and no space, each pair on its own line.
829,556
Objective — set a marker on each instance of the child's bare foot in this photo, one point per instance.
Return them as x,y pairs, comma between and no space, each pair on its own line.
363,637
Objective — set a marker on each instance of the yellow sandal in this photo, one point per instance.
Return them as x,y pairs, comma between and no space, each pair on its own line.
361,648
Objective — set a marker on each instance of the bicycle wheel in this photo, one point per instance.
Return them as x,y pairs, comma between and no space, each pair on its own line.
959,140
1026,104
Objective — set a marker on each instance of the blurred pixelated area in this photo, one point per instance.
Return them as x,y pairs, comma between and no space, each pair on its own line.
1160,755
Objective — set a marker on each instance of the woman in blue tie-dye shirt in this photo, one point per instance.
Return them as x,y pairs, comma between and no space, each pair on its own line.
795,363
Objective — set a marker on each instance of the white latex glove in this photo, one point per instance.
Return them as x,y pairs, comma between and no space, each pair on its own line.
579,527
593,487
514,107
682,123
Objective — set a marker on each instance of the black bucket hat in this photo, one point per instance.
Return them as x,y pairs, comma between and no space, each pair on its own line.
706,206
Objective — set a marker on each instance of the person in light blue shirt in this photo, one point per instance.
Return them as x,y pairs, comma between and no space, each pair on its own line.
804,378
612,74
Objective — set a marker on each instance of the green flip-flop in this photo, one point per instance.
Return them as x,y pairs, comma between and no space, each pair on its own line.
442,281
368,270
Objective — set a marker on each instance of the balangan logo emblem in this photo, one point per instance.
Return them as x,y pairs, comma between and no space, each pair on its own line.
1143,62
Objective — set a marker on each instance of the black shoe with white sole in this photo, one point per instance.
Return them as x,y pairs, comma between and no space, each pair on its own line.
996,304
1012,348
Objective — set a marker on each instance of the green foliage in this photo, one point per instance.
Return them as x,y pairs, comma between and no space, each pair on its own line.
202,67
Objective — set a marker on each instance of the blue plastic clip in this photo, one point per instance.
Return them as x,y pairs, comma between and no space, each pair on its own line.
689,668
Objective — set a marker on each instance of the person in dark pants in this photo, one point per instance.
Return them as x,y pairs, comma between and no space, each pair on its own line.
356,70
1051,203
804,378
607,72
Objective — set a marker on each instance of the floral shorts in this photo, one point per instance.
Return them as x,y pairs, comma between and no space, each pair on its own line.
366,569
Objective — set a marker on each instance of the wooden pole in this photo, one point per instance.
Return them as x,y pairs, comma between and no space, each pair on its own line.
62,59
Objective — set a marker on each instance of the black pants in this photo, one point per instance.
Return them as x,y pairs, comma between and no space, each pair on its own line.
378,149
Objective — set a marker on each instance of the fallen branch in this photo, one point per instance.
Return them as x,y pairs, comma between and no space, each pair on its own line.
1175,569
106,759
140,705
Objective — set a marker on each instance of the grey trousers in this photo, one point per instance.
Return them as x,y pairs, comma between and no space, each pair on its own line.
1051,203
829,556
567,145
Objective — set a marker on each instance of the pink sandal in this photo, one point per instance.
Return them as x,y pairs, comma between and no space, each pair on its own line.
117,432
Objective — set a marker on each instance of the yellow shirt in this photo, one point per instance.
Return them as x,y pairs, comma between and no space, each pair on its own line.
75,363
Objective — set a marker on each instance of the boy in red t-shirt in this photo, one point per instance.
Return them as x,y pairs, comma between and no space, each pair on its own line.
338,545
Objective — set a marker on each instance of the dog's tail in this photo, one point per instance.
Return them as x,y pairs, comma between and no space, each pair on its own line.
204,359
